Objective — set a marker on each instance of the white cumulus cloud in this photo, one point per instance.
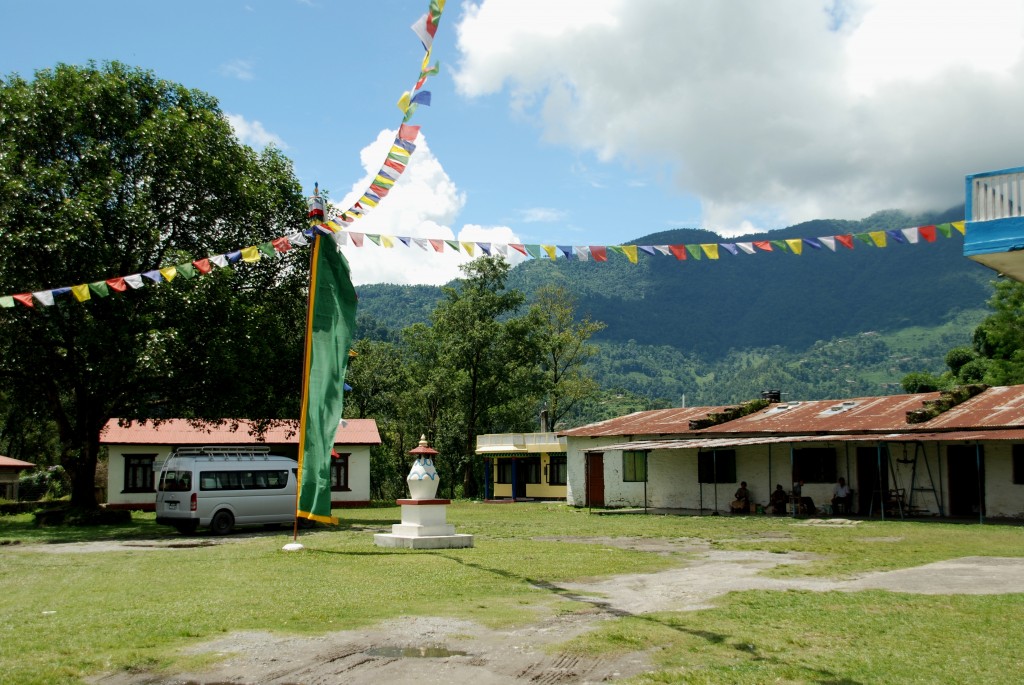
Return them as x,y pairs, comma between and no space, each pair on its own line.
252,133
770,112
424,203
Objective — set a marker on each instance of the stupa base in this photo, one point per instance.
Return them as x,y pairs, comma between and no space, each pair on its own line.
455,541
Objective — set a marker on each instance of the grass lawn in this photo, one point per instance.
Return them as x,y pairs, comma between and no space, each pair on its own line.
65,616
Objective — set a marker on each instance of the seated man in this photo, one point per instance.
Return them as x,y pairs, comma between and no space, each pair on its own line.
741,500
842,497
778,500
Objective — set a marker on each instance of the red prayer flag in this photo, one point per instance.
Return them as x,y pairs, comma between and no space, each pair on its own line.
519,248
117,284
25,299
281,244
679,251
203,265
357,238
378,191
599,253
397,166
928,233
406,132
765,245
438,245
845,240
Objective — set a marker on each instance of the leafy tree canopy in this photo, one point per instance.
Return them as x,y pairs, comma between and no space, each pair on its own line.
109,171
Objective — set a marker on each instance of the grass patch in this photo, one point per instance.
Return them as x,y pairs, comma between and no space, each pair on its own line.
66,615
803,637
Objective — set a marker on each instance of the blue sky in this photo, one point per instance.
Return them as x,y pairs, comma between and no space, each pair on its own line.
585,122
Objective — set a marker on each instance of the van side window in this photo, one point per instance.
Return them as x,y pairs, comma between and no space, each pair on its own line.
243,480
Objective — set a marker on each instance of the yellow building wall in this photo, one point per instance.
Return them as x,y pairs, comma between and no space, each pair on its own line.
535,490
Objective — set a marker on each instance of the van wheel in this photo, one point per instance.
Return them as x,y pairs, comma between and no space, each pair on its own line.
222,522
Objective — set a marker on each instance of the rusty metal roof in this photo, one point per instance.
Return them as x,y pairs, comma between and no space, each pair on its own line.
869,414
994,408
706,444
180,432
654,422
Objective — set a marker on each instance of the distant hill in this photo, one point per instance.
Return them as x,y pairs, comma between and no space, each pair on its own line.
711,306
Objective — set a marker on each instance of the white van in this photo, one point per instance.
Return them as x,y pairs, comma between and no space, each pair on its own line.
224,487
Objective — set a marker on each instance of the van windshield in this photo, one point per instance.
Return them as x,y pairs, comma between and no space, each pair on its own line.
175,481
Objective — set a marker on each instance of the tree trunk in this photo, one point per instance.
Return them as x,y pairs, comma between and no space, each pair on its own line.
81,468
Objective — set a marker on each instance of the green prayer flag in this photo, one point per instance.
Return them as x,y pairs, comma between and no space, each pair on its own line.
534,250
864,238
454,244
945,229
331,321
186,270
374,238
694,251
7,301
781,244
99,288
267,249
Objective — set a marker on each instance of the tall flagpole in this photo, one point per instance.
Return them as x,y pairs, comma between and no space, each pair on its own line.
315,216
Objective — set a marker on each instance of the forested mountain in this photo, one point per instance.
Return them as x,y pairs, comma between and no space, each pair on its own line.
821,324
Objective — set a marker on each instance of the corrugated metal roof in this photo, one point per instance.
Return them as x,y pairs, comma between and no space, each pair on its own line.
11,463
698,443
654,422
995,407
180,432
886,413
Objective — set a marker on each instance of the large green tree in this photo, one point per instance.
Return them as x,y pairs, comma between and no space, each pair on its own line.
109,171
565,351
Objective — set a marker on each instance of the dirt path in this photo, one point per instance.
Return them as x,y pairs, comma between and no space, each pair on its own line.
427,650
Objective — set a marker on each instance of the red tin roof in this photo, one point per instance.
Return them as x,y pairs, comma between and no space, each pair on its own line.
998,407
180,432
868,414
11,463
653,422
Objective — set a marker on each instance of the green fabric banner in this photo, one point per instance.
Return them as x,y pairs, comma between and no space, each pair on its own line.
330,324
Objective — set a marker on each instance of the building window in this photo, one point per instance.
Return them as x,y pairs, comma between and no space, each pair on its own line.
503,471
814,465
1018,464
530,468
138,472
339,472
556,470
634,466
717,466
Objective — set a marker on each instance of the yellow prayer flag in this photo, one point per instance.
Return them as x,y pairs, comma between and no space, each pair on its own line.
878,237
796,245
550,249
250,254
169,272
468,247
385,241
81,292
710,249
369,202
630,252
960,226
403,102
426,58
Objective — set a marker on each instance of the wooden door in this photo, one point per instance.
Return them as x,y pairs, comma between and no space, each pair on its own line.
595,480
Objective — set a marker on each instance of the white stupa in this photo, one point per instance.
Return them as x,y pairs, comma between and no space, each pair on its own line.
424,518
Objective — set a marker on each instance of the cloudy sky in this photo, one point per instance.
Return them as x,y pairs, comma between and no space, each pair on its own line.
586,122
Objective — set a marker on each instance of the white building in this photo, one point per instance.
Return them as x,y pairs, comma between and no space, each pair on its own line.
958,454
136,451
